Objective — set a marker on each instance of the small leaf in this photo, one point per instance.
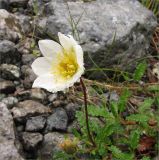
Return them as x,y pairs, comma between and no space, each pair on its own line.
134,139
123,100
114,108
145,158
138,118
146,105
140,70
117,153
153,88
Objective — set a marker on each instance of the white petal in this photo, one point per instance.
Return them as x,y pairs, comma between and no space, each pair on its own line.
50,83
79,55
41,66
66,42
45,81
49,48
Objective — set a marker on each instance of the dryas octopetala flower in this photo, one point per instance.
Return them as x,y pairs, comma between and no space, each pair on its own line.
61,66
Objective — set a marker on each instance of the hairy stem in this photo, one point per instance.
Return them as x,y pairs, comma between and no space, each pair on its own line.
86,112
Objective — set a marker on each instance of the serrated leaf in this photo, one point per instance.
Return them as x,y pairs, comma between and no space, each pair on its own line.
145,158
138,118
114,108
134,139
117,153
123,100
60,155
145,105
101,111
106,131
140,70
153,88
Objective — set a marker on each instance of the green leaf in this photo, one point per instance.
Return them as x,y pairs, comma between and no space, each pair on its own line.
117,153
153,88
145,158
60,155
96,111
146,105
107,130
138,118
36,52
123,100
134,139
157,101
114,108
140,70
100,111
102,150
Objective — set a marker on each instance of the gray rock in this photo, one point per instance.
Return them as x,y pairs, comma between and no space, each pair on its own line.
7,87
31,140
29,108
72,126
35,123
8,52
2,96
71,111
20,128
34,94
113,37
4,4
52,97
23,95
10,28
18,3
8,149
50,145
38,94
10,101
111,96
39,4
24,22
9,72
29,76
28,59
57,121
25,48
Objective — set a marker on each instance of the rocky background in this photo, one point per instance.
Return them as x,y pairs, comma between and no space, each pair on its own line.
112,33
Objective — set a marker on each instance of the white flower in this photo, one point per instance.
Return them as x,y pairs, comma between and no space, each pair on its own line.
61,66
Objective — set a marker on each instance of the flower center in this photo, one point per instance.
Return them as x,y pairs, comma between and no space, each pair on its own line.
66,65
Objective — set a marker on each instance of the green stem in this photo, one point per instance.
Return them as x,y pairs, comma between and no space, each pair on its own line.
86,112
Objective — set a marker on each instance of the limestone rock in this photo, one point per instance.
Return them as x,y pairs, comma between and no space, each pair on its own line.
29,76
8,52
10,101
112,33
10,28
58,120
7,87
4,4
29,108
8,149
31,140
38,94
28,59
9,71
35,123
18,3
50,145
71,111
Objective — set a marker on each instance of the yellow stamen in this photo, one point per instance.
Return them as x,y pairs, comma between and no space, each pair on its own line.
66,65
